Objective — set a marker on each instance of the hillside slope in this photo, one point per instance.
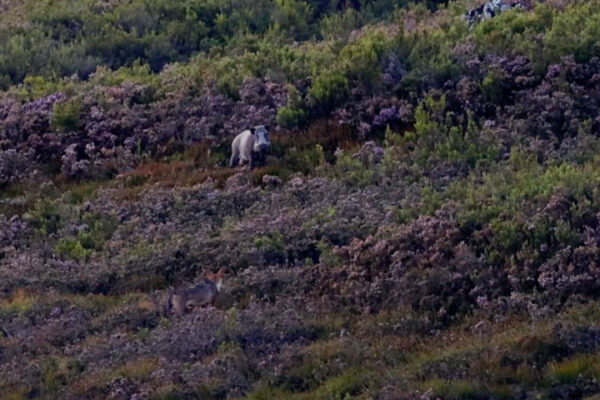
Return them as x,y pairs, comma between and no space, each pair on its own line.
427,225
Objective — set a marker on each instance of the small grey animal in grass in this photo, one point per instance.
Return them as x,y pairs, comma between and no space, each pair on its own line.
251,147
204,293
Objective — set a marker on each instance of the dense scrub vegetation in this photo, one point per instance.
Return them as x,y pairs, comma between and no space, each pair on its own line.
65,37
428,224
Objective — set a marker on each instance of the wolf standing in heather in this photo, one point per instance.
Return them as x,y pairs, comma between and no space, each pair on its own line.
204,293
250,146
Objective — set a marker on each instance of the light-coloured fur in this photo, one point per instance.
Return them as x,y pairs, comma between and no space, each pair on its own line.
254,140
204,293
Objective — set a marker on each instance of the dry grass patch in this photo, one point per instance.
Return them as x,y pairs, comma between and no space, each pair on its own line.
138,369
324,133
167,175
100,303
569,370
89,383
19,302
18,392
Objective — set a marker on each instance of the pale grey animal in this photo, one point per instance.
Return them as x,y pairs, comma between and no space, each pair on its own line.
204,293
251,147
489,10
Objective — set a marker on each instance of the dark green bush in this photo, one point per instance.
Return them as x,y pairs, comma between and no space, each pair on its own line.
66,116
73,248
289,117
327,91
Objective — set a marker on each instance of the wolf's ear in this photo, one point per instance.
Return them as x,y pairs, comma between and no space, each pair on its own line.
252,130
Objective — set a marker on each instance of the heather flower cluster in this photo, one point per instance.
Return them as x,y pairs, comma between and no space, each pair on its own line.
108,130
430,206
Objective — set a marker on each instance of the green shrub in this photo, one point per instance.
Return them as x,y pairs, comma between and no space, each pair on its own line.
229,82
79,247
72,248
352,171
493,88
292,17
430,56
289,116
66,116
360,58
574,31
514,31
328,90
273,245
45,217
339,26
326,255
306,160
37,86
440,134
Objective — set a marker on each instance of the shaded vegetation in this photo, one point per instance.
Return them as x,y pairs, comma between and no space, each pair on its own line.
427,225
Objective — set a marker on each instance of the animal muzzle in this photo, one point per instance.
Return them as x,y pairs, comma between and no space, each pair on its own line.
262,147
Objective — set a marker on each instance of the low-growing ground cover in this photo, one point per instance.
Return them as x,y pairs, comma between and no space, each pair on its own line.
427,225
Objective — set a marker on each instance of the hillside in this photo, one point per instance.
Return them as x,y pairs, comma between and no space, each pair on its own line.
427,225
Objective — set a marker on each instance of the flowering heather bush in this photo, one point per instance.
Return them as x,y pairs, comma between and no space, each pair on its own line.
113,127
14,167
375,112
429,208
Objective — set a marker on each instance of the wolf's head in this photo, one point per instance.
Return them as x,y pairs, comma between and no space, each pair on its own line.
216,278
